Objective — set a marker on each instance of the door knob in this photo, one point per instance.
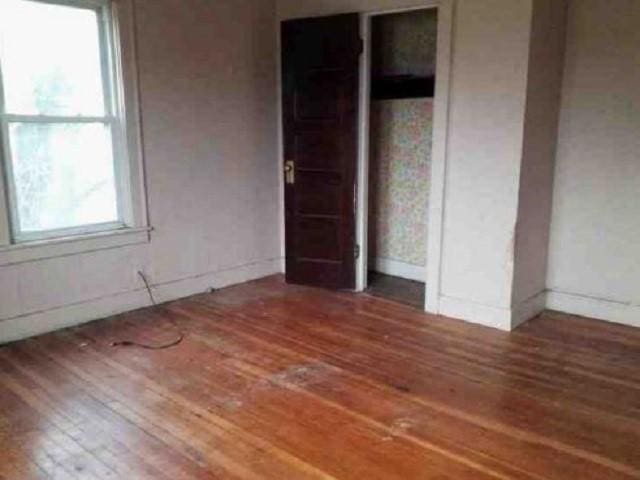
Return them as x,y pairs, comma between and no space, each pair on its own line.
289,172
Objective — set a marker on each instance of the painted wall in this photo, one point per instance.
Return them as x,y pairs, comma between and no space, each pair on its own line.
207,85
486,128
594,262
399,171
546,58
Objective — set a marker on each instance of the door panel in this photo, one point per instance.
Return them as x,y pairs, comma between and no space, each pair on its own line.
320,70
318,193
318,149
317,95
317,239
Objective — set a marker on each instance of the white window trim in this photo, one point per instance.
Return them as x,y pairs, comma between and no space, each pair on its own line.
74,245
132,228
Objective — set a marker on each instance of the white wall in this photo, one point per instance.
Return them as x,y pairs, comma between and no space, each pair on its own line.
207,86
486,128
594,262
546,58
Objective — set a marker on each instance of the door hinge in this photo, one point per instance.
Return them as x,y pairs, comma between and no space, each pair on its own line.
356,251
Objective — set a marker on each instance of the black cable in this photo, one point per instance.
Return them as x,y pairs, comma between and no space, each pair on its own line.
148,287
129,343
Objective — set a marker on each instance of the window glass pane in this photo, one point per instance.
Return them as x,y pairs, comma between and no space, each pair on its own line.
50,59
63,175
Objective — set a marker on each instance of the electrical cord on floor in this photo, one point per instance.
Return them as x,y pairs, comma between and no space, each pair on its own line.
130,343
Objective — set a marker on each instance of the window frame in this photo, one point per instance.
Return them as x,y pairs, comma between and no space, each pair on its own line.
117,58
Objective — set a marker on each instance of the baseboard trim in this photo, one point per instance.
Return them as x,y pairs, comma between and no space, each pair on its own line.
37,323
399,269
600,309
528,309
480,314
506,319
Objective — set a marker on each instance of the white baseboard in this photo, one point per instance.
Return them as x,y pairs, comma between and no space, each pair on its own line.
601,309
506,319
528,309
399,269
510,319
38,323
477,313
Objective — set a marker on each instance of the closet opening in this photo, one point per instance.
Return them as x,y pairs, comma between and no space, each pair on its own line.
402,74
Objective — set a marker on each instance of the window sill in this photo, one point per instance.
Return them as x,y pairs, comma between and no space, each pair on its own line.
67,246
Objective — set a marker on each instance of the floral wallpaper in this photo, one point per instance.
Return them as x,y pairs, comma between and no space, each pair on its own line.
405,43
401,138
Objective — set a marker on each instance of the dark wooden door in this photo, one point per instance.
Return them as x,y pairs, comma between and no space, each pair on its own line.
320,73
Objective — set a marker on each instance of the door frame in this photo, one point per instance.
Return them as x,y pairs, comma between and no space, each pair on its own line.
435,218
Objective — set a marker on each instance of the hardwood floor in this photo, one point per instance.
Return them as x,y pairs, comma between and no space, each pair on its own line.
283,382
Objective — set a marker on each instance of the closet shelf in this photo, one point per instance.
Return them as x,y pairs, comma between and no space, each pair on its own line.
401,86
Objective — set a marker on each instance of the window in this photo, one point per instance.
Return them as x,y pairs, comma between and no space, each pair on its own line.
62,124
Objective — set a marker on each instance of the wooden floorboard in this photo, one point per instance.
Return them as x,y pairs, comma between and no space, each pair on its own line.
283,382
